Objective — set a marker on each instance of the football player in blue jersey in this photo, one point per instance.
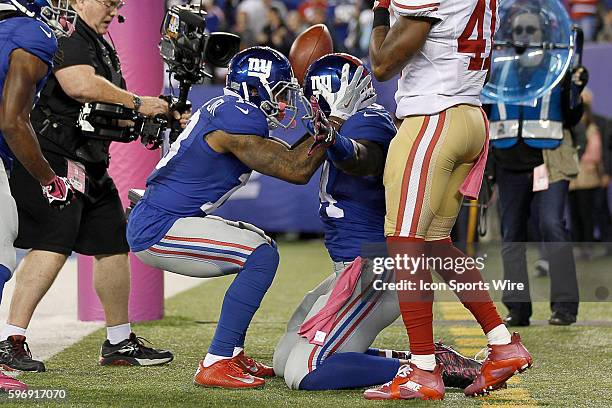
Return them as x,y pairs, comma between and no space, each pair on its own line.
172,228
352,197
28,30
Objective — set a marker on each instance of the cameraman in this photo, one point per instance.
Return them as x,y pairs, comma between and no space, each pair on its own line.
87,70
534,160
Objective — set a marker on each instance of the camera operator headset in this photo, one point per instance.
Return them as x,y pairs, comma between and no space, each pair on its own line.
87,69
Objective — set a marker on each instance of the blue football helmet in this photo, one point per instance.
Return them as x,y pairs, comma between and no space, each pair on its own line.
264,77
324,75
57,14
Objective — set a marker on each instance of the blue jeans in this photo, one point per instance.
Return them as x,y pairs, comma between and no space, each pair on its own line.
517,201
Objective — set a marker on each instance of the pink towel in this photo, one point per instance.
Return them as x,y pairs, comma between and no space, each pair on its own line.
471,185
318,326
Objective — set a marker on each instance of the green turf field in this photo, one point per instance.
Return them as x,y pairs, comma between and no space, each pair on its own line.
571,363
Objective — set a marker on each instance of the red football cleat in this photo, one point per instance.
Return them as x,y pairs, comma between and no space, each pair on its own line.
9,383
225,374
253,367
410,382
502,362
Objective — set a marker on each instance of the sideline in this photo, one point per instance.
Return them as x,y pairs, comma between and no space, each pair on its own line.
55,326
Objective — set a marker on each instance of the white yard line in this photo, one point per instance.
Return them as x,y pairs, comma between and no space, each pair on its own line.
55,326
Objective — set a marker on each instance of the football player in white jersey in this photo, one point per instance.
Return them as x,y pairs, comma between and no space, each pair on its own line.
442,49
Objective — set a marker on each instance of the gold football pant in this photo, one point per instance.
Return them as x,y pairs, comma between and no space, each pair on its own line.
428,160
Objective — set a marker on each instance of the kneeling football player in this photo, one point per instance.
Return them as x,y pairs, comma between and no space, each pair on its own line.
172,228
328,338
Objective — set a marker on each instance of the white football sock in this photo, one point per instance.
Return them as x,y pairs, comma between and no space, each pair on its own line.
211,359
116,334
424,361
10,330
237,350
499,336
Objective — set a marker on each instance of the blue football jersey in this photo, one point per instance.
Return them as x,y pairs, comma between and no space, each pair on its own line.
353,208
193,180
32,36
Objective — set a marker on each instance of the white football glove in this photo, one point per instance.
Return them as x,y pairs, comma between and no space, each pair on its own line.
351,96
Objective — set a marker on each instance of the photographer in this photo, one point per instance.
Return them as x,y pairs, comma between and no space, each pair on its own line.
87,70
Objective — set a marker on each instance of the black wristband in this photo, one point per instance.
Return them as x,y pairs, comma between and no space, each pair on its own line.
381,18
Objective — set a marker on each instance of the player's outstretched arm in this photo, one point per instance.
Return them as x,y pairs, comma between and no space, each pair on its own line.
25,70
268,156
368,160
392,47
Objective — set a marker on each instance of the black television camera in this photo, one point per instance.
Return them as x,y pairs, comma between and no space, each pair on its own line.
115,122
186,48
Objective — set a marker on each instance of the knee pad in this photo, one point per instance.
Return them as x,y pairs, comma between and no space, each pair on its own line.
282,351
296,366
264,259
270,253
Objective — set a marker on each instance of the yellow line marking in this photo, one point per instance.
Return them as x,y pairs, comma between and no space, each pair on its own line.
467,332
519,395
456,316
469,341
514,380
454,311
469,351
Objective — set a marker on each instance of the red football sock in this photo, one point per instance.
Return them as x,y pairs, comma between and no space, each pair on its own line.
477,301
416,305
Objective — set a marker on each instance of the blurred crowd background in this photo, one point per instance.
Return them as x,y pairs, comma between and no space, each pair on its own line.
276,23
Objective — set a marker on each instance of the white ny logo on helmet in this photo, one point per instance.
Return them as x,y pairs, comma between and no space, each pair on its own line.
259,68
321,84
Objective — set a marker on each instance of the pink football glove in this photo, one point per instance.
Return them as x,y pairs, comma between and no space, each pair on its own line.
324,134
59,192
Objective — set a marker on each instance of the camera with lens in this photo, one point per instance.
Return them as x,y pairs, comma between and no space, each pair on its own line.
186,46
117,123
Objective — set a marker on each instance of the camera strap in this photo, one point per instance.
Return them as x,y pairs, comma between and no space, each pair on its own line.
109,56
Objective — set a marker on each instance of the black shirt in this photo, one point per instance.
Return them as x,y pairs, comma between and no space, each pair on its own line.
55,115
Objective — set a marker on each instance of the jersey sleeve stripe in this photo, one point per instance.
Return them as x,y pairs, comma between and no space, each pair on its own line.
423,7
